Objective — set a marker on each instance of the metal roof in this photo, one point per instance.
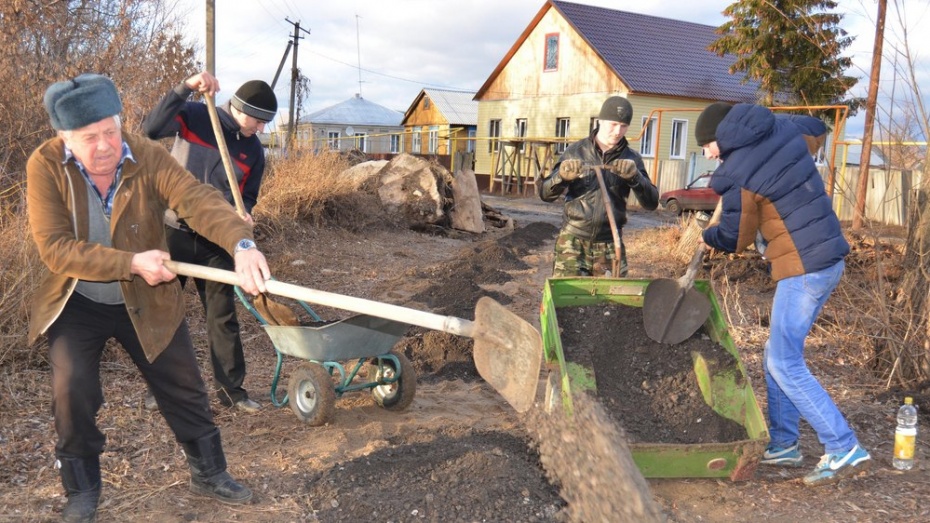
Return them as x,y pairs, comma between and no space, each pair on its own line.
659,56
459,107
356,111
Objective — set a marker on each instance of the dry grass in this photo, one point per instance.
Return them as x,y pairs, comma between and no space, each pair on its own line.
20,270
308,188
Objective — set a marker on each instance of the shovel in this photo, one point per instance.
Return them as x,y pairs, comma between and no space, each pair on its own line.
507,352
268,307
673,310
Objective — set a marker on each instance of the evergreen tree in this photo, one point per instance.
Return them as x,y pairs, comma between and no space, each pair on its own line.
793,48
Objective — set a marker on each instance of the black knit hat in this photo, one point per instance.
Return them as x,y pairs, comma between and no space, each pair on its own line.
256,99
616,109
705,131
77,103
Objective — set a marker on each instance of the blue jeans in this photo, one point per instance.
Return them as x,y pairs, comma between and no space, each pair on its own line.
793,391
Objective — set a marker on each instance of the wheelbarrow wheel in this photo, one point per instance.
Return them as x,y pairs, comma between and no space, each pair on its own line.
311,394
396,395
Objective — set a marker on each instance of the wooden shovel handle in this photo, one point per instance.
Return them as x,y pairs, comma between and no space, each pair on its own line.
427,320
224,154
611,218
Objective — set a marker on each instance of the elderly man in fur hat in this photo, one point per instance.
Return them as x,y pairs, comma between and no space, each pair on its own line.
585,246
96,200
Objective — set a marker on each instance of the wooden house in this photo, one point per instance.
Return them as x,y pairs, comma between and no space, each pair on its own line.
441,122
547,90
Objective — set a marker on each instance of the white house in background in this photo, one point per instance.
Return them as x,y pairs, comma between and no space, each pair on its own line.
353,124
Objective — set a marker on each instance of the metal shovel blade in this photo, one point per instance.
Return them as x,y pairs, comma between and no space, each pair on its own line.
672,314
507,353
672,309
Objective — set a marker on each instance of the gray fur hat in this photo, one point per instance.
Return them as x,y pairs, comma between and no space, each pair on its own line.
86,99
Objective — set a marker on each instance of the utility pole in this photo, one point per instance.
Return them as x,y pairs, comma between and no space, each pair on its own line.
863,186
291,124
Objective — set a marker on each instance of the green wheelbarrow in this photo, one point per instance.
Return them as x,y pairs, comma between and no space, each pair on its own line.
337,355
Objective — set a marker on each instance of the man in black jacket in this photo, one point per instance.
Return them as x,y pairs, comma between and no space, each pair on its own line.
585,246
241,119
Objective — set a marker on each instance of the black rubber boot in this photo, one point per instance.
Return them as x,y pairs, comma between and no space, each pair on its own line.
81,479
208,471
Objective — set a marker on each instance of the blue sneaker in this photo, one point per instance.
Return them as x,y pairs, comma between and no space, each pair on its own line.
789,456
833,467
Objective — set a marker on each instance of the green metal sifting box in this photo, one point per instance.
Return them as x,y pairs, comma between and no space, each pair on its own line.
728,395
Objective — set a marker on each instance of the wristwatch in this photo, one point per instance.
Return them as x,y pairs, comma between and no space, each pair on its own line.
244,245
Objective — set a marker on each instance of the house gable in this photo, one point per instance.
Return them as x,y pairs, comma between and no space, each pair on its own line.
523,72
631,52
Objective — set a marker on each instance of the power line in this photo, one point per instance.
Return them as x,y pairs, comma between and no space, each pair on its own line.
385,75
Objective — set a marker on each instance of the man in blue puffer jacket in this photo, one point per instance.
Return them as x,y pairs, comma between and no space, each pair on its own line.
771,187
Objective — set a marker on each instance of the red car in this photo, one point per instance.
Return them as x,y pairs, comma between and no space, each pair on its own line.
696,196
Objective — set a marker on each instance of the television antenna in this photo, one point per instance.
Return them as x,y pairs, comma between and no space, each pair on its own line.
358,50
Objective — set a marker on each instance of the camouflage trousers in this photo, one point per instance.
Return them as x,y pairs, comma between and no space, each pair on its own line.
577,257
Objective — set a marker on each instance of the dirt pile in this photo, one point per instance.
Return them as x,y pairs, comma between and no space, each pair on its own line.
649,389
587,455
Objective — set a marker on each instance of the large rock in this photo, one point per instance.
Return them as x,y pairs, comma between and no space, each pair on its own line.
409,189
360,173
466,213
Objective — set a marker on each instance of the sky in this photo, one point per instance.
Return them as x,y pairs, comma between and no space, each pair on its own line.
388,50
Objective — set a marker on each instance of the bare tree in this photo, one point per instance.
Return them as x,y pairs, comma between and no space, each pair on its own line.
902,352
138,43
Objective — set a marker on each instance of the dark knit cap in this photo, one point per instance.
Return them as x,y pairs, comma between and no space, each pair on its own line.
77,103
705,131
256,99
616,109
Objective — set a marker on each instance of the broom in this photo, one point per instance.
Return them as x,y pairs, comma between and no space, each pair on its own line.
692,230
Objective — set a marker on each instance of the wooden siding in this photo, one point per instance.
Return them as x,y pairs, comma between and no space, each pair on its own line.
425,113
580,69
451,138
576,90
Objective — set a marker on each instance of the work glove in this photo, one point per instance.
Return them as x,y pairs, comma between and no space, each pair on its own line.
625,169
570,169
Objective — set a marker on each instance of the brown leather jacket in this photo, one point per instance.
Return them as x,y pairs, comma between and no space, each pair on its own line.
58,217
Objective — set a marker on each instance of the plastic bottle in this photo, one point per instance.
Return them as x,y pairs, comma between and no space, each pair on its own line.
905,436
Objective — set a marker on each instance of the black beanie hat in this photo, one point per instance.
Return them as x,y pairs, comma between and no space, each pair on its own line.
706,129
616,109
77,103
256,99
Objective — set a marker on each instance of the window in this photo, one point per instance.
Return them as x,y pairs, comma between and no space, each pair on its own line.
519,131
494,135
361,143
433,138
395,143
679,139
552,52
470,146
561,131
647,147
415,140
332,140
425,103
